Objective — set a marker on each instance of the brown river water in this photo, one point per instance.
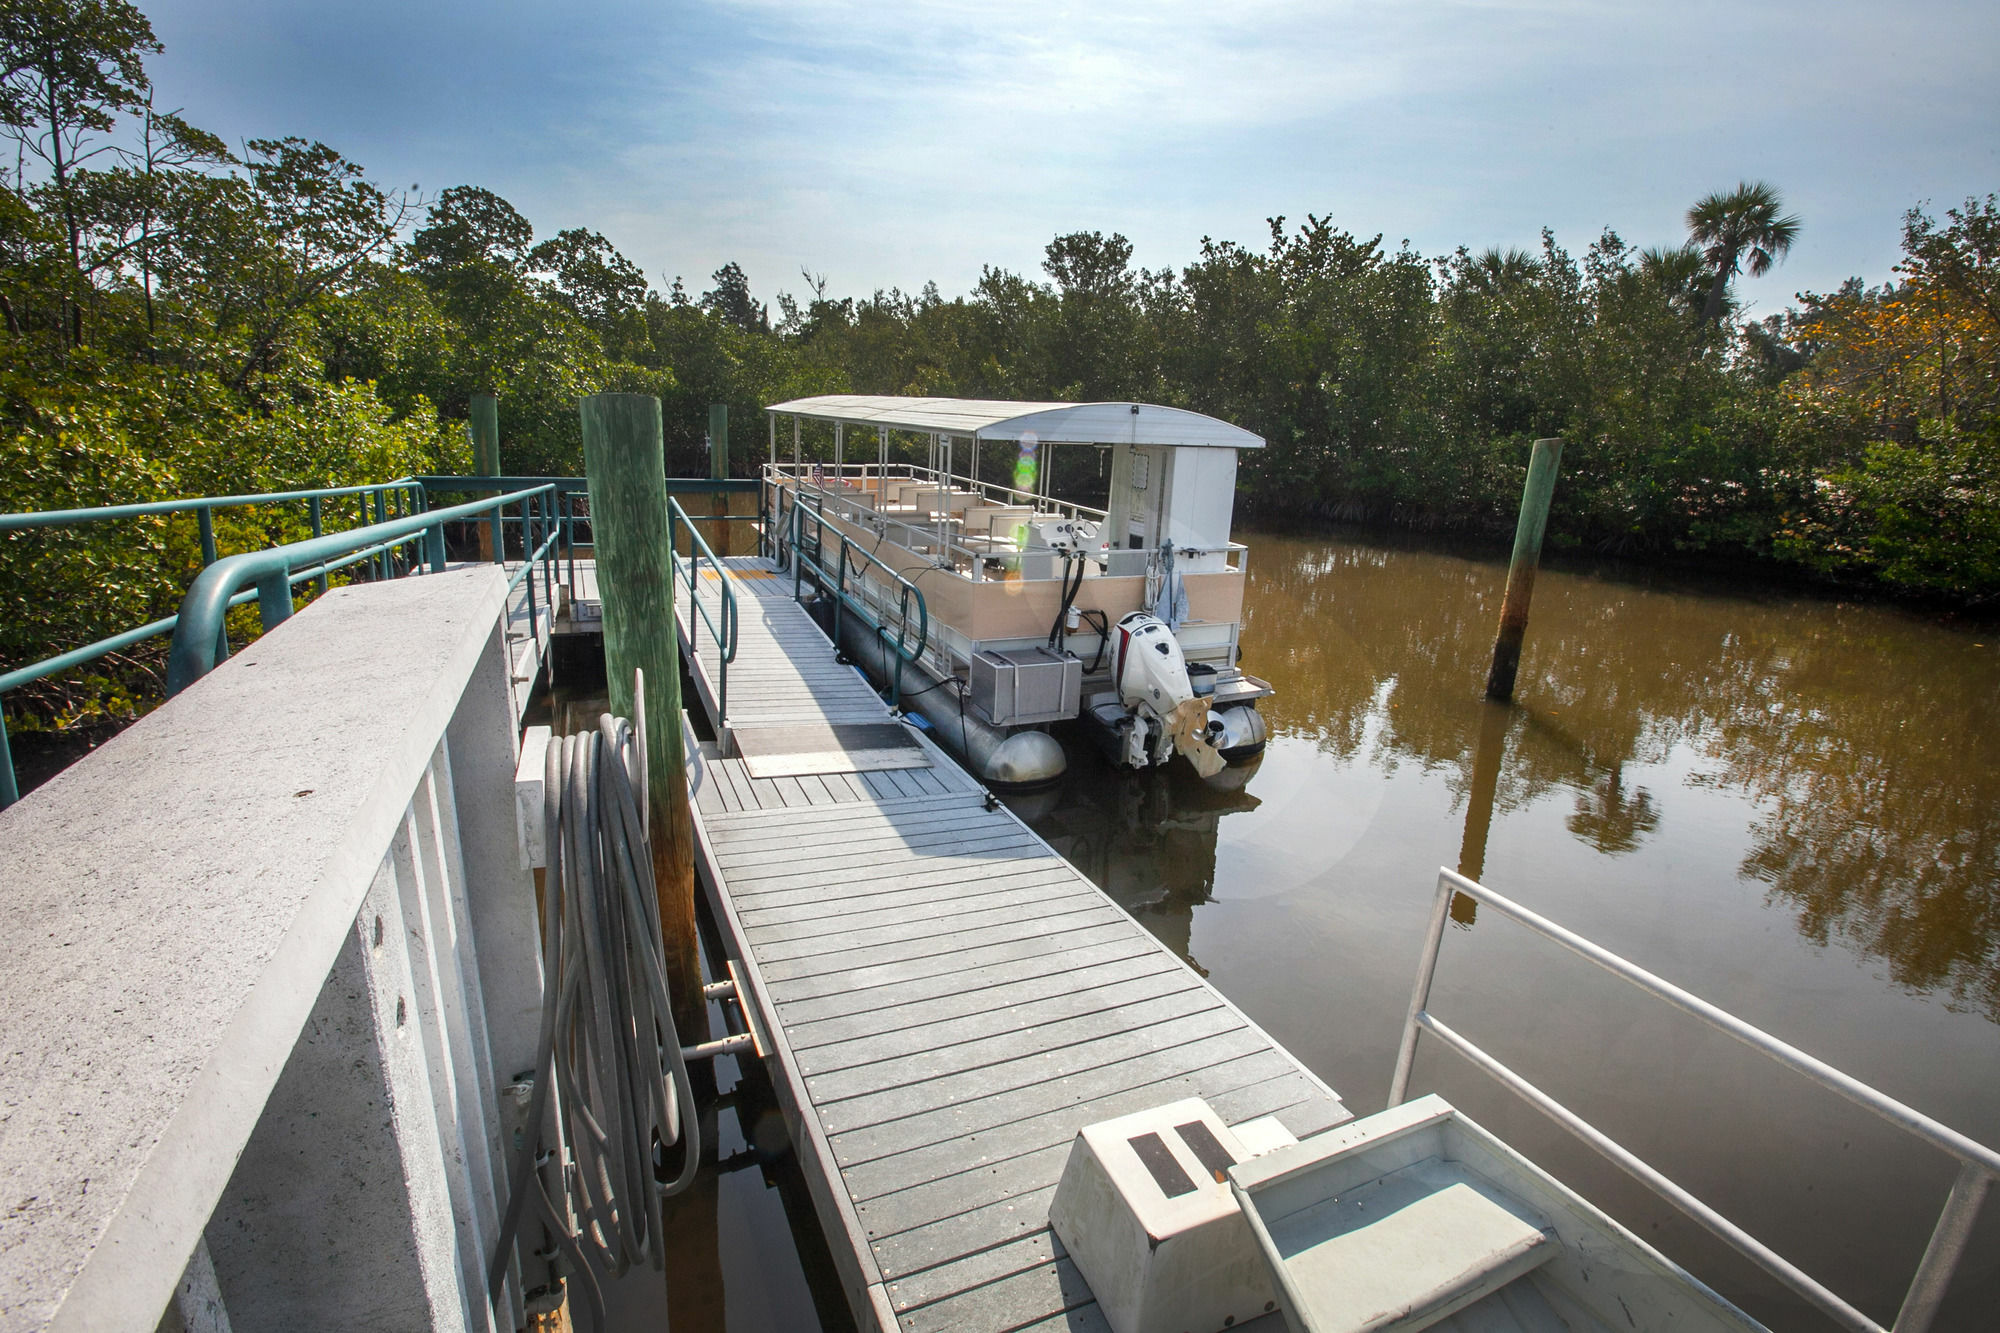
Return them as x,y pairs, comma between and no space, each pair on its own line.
1788,805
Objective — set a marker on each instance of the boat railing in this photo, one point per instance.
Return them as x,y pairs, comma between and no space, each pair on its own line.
937,536
840,474
903,632
1978,1164
722,633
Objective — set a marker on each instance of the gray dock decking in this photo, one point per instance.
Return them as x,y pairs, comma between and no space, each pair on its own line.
946,999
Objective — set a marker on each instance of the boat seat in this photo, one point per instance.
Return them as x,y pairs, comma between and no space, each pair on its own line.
1408,1250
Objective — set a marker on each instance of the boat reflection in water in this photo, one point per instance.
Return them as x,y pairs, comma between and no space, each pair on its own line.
1147,839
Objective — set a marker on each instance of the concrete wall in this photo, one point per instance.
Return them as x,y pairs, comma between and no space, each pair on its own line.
274,964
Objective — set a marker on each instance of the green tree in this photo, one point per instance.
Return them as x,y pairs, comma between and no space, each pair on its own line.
730,300
1097,315
1743,230
472,252
68,68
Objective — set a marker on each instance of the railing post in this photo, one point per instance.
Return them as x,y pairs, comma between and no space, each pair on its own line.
381,558
392,509
434,539
10,789
274,597
319,530
205,516
798,535
1406,1054
840,596
1533,523
624,451
528,536
1947,1245
552,537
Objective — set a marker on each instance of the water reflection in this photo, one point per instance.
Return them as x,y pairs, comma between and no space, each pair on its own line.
1858,740
1147,839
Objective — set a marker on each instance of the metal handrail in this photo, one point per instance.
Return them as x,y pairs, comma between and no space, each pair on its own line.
723,635
901,649
1979,1165
58,518
403,493
208,599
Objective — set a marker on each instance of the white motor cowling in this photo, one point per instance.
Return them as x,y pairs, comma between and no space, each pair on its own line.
1150,667
1153,685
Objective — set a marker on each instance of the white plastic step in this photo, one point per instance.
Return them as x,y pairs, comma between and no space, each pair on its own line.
1405,1250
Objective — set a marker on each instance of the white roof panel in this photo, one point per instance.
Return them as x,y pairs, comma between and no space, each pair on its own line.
1055,423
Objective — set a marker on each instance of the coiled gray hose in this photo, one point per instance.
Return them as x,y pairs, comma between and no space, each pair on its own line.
609,1058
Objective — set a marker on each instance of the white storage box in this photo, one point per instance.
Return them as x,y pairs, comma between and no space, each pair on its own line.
1146,1213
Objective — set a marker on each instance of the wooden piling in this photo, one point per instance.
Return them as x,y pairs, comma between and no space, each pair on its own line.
484,417
624,459
718,470
1534,521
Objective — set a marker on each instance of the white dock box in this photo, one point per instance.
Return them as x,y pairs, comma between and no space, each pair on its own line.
1022,686
1145,1210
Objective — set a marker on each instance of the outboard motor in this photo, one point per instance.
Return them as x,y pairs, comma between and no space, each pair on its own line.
1153,686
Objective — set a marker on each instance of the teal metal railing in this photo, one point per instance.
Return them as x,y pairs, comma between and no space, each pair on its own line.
904,640
392,519
398,498
722,635
271,573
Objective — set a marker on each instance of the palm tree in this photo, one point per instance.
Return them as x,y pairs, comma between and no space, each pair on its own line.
1680,274
1496,270
1725,226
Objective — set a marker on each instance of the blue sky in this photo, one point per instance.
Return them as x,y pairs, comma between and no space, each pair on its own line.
886,144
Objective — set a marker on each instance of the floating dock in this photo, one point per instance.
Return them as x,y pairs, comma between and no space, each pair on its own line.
945,1001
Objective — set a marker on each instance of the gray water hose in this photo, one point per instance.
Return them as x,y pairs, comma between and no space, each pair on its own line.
608,1058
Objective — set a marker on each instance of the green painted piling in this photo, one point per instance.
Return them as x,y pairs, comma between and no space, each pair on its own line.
624,459
1534,521
483,417
718,470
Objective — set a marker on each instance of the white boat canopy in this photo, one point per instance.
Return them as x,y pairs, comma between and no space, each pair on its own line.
1050,423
